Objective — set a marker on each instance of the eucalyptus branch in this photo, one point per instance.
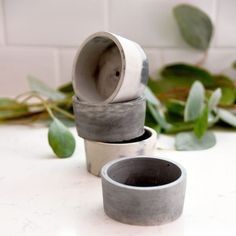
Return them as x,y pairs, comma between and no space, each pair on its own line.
65,113
45,104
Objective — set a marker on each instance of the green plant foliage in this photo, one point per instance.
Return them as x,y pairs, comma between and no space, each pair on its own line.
10,109
43,89
201,124
195,102
214,99
187,141
195,26
176,80
227,88
180,127
227,117
61,139
183,75
175,107
158,117
234,64
150,97
66,88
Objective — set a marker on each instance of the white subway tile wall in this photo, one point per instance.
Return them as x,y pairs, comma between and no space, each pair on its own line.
151,22
18,63
52,22
41,37
226,24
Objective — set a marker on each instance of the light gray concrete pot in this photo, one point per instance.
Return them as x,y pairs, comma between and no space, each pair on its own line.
143,190
113,122
109,68
99,153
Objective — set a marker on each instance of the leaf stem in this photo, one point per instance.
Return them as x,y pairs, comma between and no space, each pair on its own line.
65,113
44,103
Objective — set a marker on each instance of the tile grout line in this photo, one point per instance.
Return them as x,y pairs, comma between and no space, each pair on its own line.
216,15
2,8
106,15
57,63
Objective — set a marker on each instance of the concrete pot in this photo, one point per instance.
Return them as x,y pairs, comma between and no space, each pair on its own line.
143,190
113,122
109,68
98,153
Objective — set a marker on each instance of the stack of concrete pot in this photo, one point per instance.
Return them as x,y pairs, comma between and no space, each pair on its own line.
109,77
110,74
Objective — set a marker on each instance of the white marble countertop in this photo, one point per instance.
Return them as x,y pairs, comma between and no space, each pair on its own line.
42,195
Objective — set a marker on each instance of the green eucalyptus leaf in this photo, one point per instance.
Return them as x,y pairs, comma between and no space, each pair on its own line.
228,96
212,119
43,89
180,127
214,99
61,139
7,101
153,86
158,117
11,109
195,26
66,88
227,117
195,102
151,97
201,124
175,107
234,64
187,141
227,88
183,75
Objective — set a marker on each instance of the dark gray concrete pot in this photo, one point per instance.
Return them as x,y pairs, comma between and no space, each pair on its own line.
109,68
143,190
113,122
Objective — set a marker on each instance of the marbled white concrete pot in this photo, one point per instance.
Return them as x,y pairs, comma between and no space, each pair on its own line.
109,68
98,153
143,190
114,122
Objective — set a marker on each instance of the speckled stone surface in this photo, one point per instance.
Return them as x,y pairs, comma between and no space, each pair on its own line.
42,195
114,122
143,190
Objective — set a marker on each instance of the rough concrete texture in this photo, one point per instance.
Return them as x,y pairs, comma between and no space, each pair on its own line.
113,122
143,190
99,153
109,68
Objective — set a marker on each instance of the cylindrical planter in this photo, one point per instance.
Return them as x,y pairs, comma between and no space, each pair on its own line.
109,68
98,153
143,190
113,122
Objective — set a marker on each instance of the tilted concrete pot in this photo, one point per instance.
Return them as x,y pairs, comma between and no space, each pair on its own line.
98,153
113,122
109,68
143,190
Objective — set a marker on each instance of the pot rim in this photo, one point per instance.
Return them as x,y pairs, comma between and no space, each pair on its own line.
77,100
105,175
153,134
115,39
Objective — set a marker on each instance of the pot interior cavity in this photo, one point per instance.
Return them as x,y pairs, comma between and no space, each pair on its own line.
146,135
144,172
98,69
